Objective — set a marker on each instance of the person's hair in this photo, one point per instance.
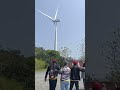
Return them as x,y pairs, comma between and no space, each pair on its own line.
54,60
83,64
65,63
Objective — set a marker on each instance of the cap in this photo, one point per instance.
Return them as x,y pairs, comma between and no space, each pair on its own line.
75,62
54,60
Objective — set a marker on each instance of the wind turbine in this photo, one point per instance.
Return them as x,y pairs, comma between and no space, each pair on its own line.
55,20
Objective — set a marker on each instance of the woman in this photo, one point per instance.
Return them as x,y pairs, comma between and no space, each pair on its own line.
65,77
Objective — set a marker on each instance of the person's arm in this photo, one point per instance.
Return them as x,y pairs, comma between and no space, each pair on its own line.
60,71
70,71
57,69
82,69
47,73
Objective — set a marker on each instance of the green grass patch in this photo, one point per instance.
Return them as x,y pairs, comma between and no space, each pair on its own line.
40,70
6,84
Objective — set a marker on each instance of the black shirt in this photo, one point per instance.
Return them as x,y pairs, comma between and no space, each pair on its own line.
75,73
55,66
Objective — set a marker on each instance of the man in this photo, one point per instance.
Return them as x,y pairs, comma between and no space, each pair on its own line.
75,75
65,77
52,70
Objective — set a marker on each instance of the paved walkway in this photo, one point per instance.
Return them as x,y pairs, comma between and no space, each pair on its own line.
41,85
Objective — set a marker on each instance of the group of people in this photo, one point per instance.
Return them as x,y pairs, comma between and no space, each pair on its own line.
69,75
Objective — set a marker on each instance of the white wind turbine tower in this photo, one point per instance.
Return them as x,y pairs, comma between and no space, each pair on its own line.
55,21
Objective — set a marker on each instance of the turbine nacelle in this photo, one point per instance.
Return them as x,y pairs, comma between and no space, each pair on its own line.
57,20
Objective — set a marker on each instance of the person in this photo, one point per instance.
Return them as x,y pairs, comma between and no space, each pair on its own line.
75,75
65,77
83,74
52,70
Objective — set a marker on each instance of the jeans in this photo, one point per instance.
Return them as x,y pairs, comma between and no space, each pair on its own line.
65,85
52,84
76,85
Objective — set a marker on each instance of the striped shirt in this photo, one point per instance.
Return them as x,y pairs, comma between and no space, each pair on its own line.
65,73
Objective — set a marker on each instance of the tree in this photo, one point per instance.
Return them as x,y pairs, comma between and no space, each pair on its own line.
46,55
82,50
40,52
64,52
111,53
14,66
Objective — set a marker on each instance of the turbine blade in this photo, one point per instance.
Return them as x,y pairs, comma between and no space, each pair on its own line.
57,10
44,14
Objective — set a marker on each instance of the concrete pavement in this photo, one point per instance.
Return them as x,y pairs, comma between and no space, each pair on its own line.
41,85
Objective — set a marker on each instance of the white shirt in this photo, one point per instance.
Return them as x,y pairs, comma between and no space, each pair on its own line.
65,73
83,74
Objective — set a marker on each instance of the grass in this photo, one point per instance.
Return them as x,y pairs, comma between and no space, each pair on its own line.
6,84
40,70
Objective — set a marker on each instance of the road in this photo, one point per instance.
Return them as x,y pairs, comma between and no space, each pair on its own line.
41,85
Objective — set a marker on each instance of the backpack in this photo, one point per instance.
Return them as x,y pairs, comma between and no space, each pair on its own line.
53,71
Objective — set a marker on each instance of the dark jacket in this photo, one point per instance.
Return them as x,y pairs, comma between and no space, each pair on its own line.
75,73
56,69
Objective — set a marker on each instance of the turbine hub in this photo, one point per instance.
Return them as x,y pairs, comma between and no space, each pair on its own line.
57,20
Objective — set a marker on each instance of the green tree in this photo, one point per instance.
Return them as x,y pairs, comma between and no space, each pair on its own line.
47,56
40,53
14,66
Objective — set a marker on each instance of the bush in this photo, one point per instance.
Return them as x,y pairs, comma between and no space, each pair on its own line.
40,64
15,66
11,84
